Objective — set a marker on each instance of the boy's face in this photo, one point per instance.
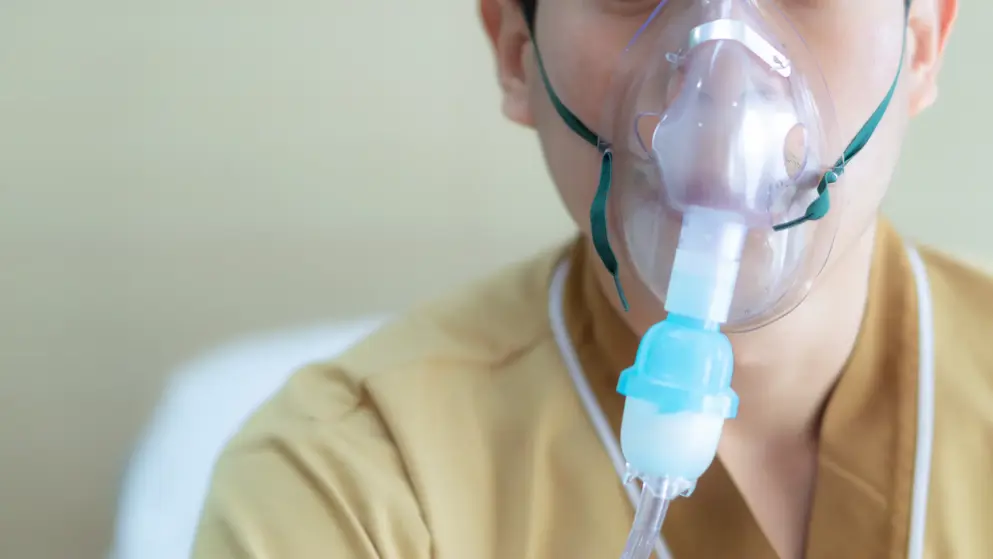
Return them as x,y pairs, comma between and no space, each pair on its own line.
856,43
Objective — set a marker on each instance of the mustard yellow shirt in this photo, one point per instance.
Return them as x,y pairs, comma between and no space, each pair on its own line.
456,433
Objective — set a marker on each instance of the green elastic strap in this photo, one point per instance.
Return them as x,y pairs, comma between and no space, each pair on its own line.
598,222
598,208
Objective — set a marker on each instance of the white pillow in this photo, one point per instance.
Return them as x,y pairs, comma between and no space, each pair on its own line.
204,404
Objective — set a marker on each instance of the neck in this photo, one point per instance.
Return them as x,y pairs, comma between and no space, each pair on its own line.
784,371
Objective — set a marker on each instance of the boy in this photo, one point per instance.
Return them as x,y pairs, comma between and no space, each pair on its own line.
467,429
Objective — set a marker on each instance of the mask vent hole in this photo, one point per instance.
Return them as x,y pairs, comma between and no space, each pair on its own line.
795,151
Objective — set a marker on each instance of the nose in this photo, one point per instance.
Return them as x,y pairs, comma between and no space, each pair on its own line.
706,135
724,76
723,85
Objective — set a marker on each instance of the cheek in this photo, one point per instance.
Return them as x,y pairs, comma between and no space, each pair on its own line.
572,162
860,65
580,71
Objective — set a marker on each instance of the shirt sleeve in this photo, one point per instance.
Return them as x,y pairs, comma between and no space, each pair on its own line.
298,486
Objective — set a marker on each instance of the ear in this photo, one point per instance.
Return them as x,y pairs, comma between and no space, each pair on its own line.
929,26
511,40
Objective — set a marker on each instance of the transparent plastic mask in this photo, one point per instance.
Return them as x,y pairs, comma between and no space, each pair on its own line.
718,104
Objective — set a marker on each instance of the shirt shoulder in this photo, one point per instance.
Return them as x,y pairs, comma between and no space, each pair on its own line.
326,463
961,463
962,296
478,326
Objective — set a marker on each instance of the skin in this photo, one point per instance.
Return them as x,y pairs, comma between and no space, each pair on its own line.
770,449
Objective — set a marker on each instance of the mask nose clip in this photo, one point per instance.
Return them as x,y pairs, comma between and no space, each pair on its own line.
739,32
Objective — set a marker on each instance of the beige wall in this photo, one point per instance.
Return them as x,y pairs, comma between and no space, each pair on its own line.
174,175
